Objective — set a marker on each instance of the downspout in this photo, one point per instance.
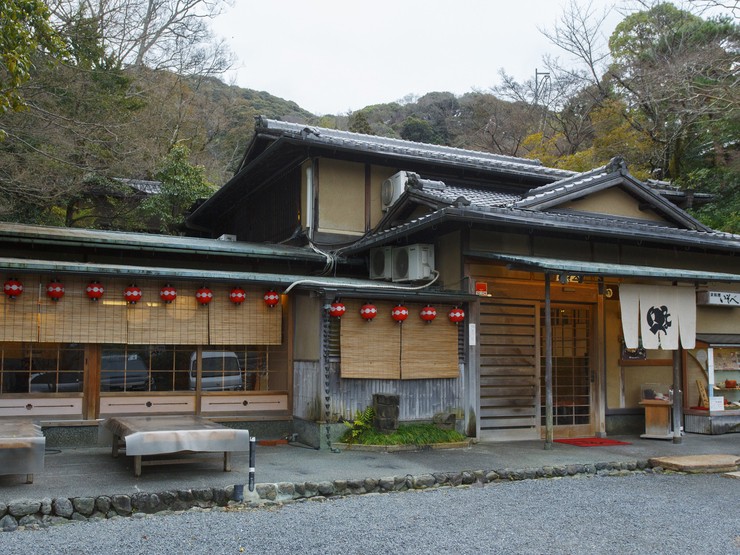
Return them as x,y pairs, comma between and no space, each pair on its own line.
548,366
309,202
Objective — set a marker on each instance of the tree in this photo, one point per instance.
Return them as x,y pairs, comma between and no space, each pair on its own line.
158,34
182,185
418,130
678,75
358,123
74,132
724,183
24,31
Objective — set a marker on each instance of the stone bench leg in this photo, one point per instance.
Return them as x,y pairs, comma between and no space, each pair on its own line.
227,461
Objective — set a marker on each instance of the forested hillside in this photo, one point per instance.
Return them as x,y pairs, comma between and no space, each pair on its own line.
84,104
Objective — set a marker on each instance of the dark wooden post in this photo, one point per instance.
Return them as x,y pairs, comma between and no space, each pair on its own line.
677,396
548,366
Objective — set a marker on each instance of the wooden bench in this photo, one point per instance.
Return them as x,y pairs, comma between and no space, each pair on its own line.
164,435
22,447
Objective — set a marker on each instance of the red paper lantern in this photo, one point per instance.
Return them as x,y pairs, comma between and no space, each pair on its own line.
204,295
237,295
337,309
428,313
168,293
457,315
132,294
368,311
94,290
271,298
55,290
13,288
400,313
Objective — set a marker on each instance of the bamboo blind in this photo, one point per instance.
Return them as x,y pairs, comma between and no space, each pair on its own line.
372,349
250,323
19,315
77,319
151,321
428,350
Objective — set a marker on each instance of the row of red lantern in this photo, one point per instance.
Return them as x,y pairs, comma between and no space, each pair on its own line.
133,294
399,312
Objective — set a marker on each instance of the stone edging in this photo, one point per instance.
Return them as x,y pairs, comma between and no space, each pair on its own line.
29,514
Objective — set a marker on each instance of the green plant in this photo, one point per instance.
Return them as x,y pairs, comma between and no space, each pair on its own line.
411,434
362,423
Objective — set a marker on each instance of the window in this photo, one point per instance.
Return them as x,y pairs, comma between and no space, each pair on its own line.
41,368
132,368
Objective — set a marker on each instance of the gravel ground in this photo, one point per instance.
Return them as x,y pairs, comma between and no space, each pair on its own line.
621,515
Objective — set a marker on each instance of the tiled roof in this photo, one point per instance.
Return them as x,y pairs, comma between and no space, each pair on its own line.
558,187
149,242
410,149
478,196
596,225
148,187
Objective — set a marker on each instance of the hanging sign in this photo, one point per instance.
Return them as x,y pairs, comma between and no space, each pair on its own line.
481,289
718,298
657,316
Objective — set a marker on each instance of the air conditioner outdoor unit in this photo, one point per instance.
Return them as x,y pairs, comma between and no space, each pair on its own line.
380,263
392,188
413,262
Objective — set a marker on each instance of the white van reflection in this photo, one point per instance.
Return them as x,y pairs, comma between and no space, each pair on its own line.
221,371
124,373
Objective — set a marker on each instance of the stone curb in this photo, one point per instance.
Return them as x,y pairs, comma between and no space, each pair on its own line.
30,514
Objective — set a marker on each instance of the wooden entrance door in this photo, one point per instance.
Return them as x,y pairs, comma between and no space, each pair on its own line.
509,370
572,370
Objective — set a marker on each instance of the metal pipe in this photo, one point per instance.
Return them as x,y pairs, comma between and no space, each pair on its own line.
252,456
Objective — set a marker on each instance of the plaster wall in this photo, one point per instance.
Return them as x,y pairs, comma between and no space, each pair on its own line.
307,327
448,260
341,197
612,201
378,174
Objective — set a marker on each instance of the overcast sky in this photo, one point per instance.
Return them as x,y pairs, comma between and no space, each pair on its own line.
335,56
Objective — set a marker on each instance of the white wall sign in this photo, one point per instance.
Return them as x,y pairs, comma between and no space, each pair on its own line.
471,335
718,298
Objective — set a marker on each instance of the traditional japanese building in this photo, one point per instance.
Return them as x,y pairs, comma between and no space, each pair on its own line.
485,287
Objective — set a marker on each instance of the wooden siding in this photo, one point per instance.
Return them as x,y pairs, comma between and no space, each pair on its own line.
271,214
420,399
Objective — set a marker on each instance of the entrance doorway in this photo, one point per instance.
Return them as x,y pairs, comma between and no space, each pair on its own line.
572,370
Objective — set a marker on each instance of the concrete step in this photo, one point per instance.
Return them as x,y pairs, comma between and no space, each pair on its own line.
699,463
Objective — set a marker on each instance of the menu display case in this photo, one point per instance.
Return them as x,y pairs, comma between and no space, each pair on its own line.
714,408
726,362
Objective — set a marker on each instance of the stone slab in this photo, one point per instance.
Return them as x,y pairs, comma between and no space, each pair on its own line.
698,463
735,475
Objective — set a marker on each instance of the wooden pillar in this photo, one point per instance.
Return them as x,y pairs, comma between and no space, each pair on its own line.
548,366
677,395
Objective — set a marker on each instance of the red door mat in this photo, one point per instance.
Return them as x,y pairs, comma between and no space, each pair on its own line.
591,441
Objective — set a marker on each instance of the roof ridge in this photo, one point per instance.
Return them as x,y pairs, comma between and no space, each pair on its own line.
391,142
